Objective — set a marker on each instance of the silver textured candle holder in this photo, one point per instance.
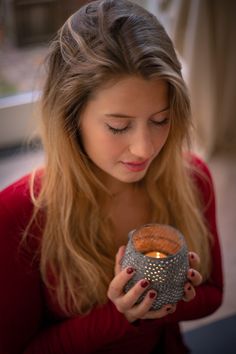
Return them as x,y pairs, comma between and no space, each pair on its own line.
167,275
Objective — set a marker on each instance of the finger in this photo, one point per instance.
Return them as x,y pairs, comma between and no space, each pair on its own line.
194,276
119,255
117,284
127,301
194,260
189,292
164,311
139,311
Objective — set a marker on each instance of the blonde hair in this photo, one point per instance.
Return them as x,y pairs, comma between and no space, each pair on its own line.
105,40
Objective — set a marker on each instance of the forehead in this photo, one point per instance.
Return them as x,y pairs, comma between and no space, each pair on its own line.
132,89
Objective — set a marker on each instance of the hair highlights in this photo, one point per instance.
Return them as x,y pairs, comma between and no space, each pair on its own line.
105,40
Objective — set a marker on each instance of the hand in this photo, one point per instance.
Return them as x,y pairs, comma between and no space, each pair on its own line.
126,303
194,277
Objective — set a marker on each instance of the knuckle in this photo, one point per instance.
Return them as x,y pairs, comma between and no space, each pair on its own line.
120,307
141,314
109,294
156,314
113,290
200,279
136,292
143,309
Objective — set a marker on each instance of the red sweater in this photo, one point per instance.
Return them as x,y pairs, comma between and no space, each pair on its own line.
30,324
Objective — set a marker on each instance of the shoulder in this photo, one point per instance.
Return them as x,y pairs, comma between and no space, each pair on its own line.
16,205
21,302
202,177
18,189
198,165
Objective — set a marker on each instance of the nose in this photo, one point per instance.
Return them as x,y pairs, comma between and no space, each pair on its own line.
142,145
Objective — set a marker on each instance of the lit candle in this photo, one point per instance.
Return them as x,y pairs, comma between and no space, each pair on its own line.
156,254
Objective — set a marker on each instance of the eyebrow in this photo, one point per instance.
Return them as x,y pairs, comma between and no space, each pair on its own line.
121,115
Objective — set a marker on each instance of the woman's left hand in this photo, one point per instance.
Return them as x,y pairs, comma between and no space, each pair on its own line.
194,277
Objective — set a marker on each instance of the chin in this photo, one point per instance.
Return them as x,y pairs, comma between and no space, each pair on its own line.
132,179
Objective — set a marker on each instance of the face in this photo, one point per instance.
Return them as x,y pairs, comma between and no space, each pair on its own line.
124,127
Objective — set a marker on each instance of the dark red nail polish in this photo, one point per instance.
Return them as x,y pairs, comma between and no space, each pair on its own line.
189,288
144,283
192,256
192,273
152,295
168,309
129,270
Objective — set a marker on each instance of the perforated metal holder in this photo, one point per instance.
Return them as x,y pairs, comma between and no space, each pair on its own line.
166,275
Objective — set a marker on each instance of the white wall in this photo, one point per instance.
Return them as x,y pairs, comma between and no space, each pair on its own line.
18,118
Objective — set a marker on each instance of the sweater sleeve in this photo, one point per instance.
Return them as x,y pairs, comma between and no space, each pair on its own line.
21,308
209,294
25,326
87,334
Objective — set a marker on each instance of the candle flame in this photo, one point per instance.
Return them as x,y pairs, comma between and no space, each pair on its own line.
156,254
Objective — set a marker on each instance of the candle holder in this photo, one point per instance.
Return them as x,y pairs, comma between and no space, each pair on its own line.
159,254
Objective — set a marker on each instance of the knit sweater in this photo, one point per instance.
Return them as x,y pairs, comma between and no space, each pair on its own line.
30,323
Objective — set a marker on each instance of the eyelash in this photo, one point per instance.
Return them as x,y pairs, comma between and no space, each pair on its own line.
125,129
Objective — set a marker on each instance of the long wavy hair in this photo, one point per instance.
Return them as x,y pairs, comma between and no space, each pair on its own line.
105,40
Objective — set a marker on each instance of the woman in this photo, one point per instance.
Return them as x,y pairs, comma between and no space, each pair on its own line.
116,120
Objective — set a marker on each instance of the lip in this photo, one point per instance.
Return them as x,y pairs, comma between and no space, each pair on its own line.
135,165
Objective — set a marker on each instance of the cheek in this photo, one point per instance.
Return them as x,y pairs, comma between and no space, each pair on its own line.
162,137
114,145
103,146
166,133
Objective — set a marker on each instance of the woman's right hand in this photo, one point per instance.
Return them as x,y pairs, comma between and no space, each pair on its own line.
126,302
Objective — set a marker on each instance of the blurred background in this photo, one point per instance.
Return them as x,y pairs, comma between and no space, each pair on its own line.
204,34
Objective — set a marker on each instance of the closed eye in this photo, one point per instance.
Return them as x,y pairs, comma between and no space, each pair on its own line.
117,130
161,122
126,128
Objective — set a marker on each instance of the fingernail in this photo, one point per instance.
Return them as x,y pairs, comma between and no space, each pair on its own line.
144,283
192,273
189,288
152,294
192,256
168,309
129,270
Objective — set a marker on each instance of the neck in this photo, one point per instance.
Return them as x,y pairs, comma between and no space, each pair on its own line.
120,190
